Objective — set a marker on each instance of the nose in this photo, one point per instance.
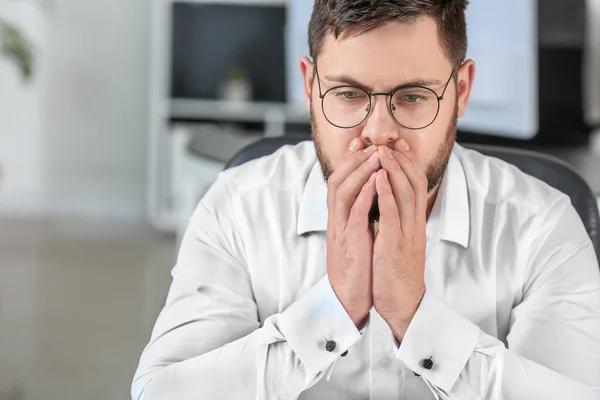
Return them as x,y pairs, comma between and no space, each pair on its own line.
380,128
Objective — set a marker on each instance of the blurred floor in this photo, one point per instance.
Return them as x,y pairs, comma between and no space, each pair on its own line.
77,304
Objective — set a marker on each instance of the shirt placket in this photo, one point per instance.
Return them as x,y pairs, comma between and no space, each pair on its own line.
383,368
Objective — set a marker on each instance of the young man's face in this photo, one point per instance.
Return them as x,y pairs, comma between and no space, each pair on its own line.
380,61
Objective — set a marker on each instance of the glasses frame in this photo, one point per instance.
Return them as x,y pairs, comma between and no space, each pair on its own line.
390,105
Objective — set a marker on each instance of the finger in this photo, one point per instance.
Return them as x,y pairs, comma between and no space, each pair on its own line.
389,221
354,157
403,191
406,150
347,192
415,173
358,220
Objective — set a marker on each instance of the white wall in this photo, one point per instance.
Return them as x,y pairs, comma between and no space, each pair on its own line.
86,150
20,133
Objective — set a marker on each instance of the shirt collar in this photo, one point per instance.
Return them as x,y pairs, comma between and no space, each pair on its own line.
451,208
312,215
450,217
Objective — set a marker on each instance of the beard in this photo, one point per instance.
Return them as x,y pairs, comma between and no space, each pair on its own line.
434,172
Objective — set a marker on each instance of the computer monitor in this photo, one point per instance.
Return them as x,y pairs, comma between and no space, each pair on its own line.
211,40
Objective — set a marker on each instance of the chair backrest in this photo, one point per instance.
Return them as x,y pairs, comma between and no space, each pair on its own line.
547,168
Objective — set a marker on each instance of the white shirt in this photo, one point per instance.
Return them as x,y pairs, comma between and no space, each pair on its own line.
511,310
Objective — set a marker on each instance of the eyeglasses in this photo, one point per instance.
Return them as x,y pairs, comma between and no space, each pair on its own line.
413,107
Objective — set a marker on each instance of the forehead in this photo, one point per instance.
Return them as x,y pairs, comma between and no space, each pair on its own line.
393,51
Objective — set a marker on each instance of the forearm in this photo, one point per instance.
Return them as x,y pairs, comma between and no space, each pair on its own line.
288,353
524,379
496,373
469,364
259,365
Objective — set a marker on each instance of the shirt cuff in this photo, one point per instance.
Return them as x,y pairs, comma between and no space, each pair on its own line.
312,320
440,334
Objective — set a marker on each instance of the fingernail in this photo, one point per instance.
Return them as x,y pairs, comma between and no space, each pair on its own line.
404,144
388,152
369,149
373,157
354,144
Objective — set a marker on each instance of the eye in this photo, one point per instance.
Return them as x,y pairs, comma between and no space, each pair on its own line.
349,95
412,98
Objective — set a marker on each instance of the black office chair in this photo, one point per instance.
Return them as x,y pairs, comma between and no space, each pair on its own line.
546,168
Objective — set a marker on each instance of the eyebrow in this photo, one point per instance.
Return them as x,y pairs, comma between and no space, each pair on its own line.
347,80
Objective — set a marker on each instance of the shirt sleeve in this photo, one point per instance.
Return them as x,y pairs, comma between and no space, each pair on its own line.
553,347
208,342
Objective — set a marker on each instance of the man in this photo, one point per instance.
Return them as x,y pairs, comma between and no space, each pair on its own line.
420,270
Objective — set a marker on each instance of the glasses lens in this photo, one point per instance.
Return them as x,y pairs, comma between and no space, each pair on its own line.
346,106
415,108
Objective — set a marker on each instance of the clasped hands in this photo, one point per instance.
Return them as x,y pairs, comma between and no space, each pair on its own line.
378,264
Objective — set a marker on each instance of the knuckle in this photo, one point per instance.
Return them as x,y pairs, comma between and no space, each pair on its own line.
357,157
342,205
334,180
396,165
367,168
364,167
386,190
354,211
343,191
410,210
355,214
330,199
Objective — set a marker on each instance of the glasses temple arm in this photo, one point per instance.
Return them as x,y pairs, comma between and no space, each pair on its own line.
447,83
318,81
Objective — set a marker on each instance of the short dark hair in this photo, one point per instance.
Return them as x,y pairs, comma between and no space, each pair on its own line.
336,16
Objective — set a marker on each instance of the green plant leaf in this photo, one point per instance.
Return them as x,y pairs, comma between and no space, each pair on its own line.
17,48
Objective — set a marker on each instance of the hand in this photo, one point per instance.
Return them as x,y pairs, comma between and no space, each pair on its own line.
351,189
399,247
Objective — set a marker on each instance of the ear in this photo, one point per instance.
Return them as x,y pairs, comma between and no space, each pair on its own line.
464,84
307,68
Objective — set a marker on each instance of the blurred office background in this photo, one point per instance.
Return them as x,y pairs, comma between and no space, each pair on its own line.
127,110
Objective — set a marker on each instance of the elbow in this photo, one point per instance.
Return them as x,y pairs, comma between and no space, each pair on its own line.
142,386
138,389
157,383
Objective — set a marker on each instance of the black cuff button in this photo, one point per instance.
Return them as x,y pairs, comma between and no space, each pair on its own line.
330,346
427,364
